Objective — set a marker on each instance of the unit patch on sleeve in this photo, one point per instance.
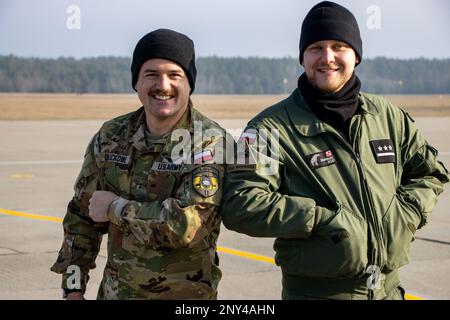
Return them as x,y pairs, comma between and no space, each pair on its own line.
321,159
383,150
205,181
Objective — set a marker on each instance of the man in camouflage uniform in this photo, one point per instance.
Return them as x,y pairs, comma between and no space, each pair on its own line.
157,199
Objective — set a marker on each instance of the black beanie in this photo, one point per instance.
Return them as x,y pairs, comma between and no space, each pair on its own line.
165,44
330,21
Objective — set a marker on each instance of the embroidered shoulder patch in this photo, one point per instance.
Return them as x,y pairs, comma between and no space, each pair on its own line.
203,156
205,181
166,166
383,150
249,136
321,159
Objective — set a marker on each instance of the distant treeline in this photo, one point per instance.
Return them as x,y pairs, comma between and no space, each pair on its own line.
217,75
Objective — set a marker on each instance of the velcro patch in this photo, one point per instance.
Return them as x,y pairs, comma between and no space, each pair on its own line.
117,158
203,156
241,167
384,150
321,159
248,136
166,166
205,181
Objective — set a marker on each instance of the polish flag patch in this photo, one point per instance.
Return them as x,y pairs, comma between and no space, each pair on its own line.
203,156
249,136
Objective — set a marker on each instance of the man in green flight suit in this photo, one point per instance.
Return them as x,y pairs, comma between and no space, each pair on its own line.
156,196
354,177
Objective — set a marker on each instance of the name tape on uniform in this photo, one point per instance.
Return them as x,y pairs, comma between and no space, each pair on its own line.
166,166
117,158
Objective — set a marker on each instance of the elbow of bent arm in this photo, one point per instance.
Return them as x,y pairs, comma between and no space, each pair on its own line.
75,259
233,213
171,225
79,250
231,219
186,226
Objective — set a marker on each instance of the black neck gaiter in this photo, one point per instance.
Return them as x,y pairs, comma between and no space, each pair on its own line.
337,108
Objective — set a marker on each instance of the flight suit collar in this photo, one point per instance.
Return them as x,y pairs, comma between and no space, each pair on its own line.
307,123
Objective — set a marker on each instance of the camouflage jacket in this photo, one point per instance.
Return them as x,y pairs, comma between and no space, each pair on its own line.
163,230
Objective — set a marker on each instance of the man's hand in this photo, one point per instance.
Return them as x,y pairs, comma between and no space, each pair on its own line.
75,296
99,204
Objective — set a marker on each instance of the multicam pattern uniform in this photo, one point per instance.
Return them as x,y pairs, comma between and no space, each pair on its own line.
163,229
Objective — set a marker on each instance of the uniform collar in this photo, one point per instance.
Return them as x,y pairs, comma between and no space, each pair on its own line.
307,123
367,106
138,125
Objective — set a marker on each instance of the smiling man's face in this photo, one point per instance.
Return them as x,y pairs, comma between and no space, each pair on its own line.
329,64
163,89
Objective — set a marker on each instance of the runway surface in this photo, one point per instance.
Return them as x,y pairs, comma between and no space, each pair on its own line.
39,161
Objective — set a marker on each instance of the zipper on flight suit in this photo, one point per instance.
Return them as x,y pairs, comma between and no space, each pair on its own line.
371,220
377,230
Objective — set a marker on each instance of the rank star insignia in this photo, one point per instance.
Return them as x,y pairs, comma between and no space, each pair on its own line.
384,151
205,181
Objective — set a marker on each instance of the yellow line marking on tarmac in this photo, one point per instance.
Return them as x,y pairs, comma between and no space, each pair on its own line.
30,215
247,255
243,254
21,176
411,297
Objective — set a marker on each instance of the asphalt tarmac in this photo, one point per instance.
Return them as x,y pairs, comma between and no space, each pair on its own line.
39,161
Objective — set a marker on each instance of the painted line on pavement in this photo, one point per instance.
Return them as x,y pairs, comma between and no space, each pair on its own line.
243,254
246,255
30,215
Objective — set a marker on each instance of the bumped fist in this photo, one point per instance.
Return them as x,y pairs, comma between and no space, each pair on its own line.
99,204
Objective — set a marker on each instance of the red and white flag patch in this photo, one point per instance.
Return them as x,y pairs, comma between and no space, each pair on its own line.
249,136
203,156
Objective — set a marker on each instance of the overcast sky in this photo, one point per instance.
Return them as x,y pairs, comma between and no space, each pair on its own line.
265,28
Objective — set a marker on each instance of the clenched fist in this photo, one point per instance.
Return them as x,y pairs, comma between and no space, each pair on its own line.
99,204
